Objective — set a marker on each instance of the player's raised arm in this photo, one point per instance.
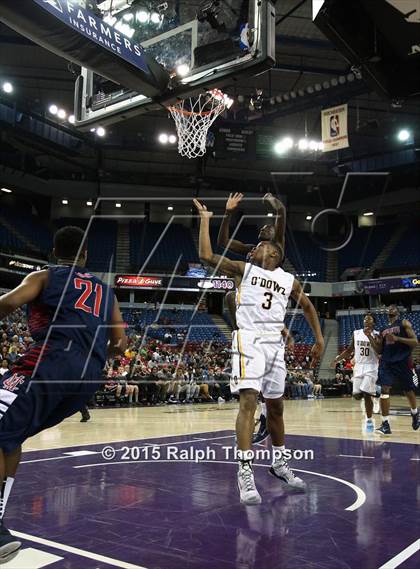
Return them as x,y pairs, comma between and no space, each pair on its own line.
345,354
231,268
311,317
28,290
117,337
280,221
223,239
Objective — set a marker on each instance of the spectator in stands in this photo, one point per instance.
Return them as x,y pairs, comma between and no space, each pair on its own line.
317,389
4,367
309,383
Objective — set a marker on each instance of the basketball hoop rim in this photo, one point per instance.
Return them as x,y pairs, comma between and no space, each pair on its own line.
217,94
173,109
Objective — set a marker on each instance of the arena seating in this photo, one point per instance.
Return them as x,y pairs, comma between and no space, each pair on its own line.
300,329
352,322
176,241
9,241
200,325
364,247
306,255
30,227
406,253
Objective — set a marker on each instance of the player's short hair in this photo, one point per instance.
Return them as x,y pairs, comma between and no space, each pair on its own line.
371,315
68,242
279,250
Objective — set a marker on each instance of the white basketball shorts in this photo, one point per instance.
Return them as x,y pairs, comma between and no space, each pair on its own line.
258,363
364,379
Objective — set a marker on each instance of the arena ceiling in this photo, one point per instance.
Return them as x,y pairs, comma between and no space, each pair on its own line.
129,152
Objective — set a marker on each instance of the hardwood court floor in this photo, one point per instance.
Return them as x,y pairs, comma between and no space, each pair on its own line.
337,418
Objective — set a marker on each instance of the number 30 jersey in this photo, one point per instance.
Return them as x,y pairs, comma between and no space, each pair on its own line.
261,299
364,355
73,311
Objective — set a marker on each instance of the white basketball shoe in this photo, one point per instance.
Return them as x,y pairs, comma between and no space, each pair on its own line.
281,470
246,485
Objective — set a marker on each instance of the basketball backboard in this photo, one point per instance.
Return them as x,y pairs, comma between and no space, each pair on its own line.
200,44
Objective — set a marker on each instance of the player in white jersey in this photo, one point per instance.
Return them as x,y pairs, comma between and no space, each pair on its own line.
365,372
268,232
258,347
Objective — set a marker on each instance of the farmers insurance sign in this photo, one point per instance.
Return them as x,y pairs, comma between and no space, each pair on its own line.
89,25
334,128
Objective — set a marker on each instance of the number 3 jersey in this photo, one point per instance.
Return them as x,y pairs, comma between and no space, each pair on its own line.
261,299
364,355
73,311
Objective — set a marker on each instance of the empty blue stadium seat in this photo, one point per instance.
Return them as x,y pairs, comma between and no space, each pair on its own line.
300,329
199,325
364,246
31,227
306,256
407,251
165,243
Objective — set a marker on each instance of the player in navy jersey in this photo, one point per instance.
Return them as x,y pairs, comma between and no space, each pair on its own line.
268,232
75,322
395,345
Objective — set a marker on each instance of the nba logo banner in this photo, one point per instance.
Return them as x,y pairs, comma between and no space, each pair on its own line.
334,128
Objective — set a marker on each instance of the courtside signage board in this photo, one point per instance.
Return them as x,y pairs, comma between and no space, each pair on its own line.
385,286
93,28
180,284
133,281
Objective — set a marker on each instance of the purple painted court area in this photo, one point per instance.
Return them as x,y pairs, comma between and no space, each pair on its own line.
177,515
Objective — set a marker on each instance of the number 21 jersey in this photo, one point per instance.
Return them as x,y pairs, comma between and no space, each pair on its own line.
73,311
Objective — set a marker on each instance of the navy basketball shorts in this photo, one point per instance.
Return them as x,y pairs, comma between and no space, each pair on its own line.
34,397
396,372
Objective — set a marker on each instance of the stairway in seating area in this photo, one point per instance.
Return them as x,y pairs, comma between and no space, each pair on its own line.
122,264
332,266
223,326
331,349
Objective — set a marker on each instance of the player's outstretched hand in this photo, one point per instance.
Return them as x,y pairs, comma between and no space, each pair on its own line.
316,353
274,202
233,201
202,209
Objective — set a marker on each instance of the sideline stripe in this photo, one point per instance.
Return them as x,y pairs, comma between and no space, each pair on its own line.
76,551
355,456
402,556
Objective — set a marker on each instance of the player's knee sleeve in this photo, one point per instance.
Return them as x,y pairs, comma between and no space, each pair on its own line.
384,396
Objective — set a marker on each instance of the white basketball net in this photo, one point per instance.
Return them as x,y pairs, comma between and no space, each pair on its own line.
193,117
